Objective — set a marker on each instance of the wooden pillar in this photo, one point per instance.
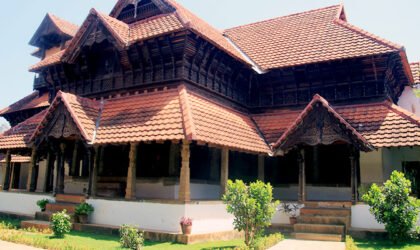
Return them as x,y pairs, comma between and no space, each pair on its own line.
94,159
261,168
353,176
130,191
302,176
32,174
315,169
224,170
49,173
59,183
184,179
75,164
7,174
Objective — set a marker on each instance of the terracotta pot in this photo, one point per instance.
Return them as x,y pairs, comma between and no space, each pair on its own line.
293,220
186,229
83,218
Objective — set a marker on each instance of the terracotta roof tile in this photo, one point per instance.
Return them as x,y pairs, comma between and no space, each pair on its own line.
48,61
308,37
415,70
18,137
215,123
144,117
383,124
32,101
64,26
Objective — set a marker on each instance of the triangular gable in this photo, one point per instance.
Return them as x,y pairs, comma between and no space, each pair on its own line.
69,116
134,5
96,28
319,124
53,25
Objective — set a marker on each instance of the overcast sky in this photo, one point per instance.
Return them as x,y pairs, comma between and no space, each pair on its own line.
397,21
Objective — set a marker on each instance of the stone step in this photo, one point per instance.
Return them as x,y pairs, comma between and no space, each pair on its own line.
320,237
58,207
325,211
40,225
327,220
328,204
319,228
47,215
70,198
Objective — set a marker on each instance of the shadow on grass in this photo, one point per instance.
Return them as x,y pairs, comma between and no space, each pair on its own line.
219,248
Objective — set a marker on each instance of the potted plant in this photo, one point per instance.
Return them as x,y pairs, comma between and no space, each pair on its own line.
291,209
42,204
82,212
186,225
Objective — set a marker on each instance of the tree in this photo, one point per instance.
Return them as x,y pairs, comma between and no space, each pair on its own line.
392,205
252,206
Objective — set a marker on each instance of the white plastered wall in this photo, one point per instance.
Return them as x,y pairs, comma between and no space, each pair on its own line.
21,203
393,158
371,170
409,101
42,171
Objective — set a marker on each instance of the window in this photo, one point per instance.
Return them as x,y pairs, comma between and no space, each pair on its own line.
411,170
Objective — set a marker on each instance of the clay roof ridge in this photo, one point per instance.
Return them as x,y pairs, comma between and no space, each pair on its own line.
413,118
187,117
60,22
319,99
261,134
369,35
104,18
98,121
286,16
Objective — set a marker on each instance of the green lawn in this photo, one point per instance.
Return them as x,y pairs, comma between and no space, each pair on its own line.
87,241
386,245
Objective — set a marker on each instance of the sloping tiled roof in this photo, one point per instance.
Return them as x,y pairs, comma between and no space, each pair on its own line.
216,123
64,26
181,19
383,124
355,136
308,37
83,111
170,114
415,70
144,117
18,137
15,159
32,101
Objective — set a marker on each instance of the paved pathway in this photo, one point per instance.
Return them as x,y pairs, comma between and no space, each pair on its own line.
308,245
12,246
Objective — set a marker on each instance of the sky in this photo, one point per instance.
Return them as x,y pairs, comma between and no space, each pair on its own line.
397,21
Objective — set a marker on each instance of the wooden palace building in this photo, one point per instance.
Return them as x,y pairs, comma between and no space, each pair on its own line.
148,111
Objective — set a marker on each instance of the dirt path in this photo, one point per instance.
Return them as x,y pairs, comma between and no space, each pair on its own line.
308,245
12,246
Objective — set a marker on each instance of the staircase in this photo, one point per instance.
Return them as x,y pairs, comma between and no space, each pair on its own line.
42,220
324,221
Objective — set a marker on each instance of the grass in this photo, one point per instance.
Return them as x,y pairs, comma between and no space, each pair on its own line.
86,241
380,244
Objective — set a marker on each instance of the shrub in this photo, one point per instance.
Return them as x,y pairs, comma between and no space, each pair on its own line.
60,224
43,203
350,245
392,205
252,206
131,237
84,209
268,241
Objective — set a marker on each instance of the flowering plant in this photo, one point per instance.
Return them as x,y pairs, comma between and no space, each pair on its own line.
186,221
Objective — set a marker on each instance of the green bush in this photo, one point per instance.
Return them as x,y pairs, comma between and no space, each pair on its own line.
350,245
252,206
84,209
43,203
131,237
392,205
266,242
61,224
